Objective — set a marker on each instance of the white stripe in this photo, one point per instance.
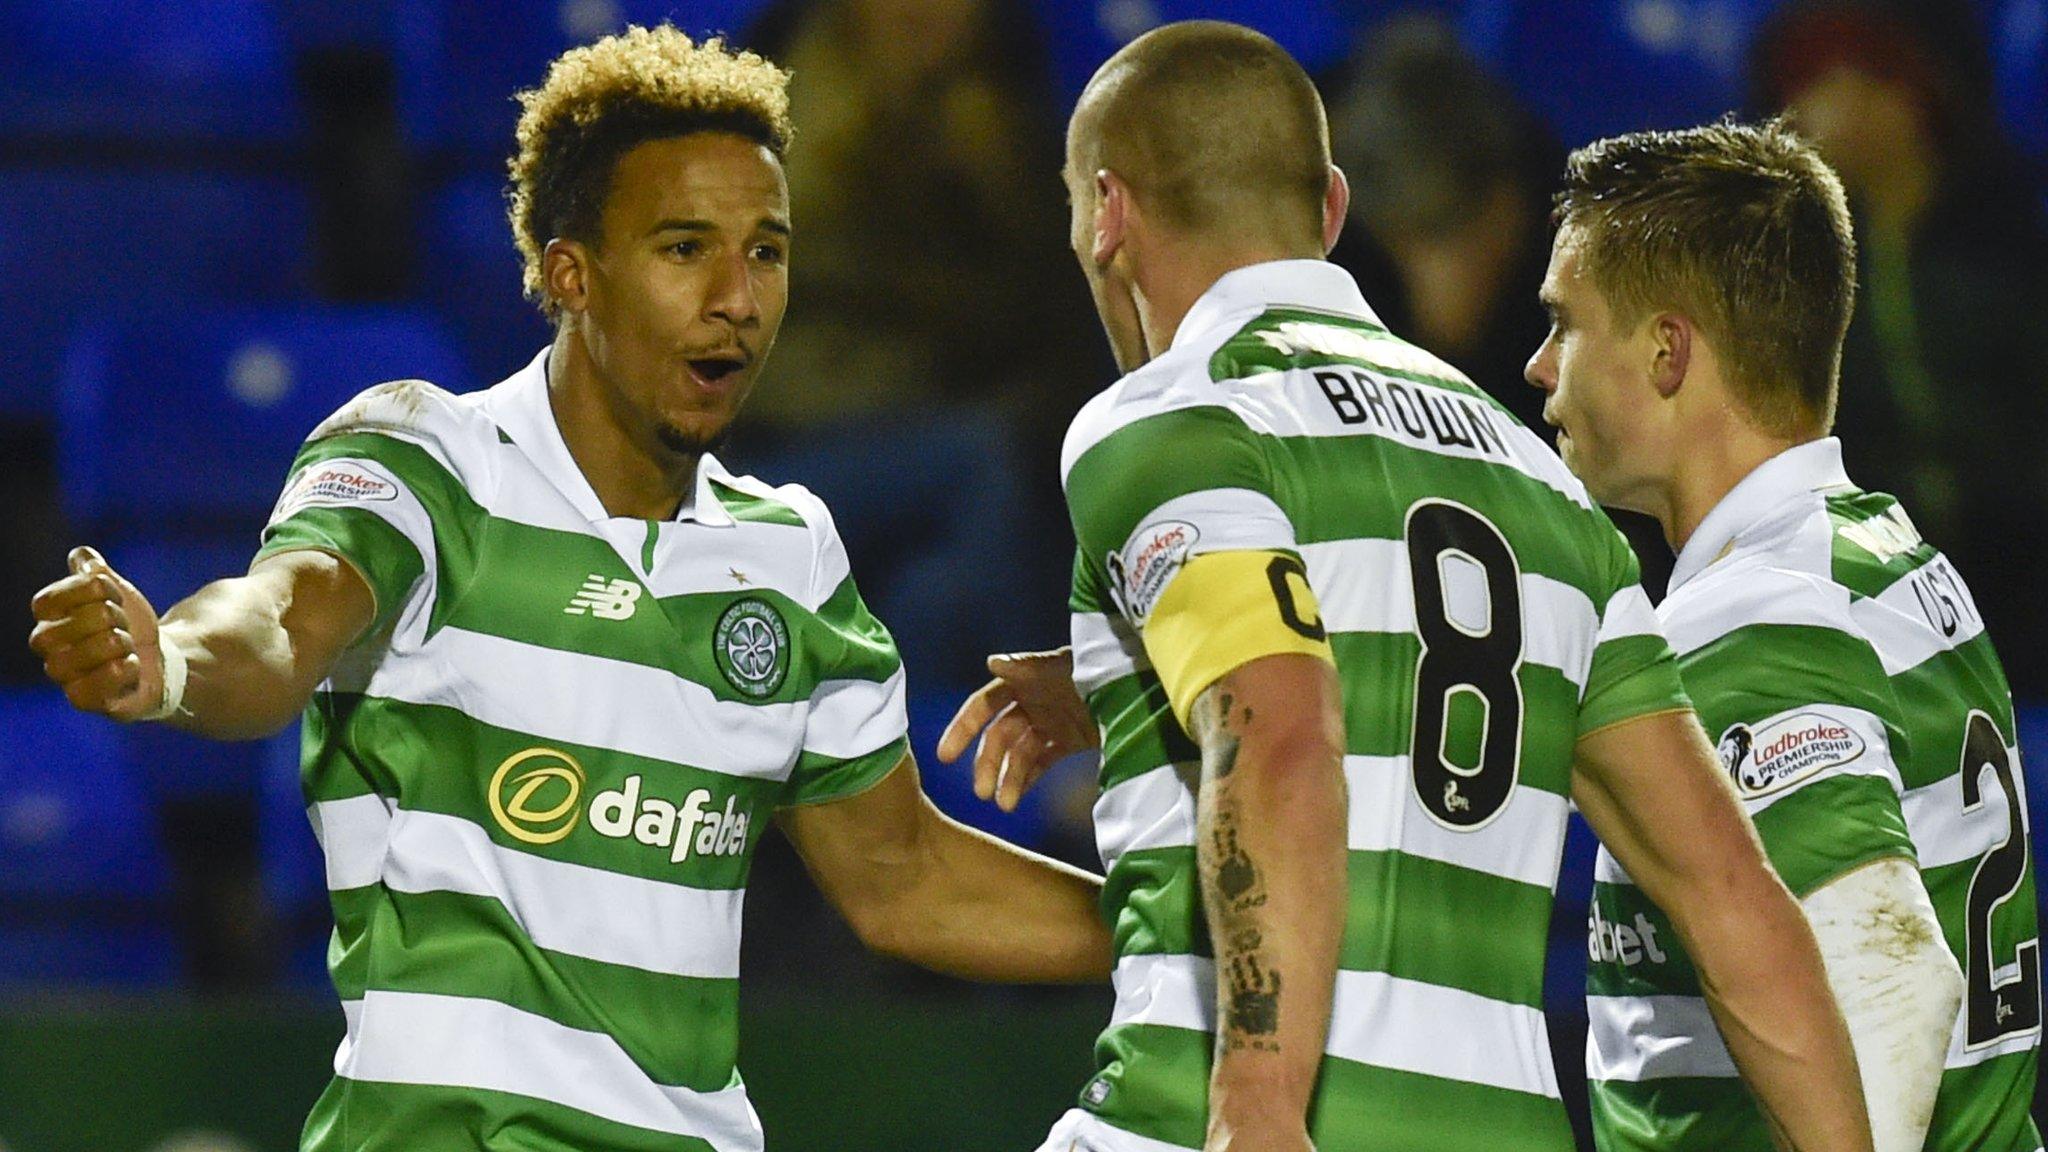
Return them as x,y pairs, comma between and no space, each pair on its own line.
1227,519
566,907
593,701
1902,621
1157,810
1943,833
462,1042
1366,586
1653,1038
1728,597
1106,649
352,1020
1629,613
1375,1019
1874,760
353,834
1079,1131
851,718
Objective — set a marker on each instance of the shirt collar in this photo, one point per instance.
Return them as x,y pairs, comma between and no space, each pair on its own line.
1316,284
1797,471
521,409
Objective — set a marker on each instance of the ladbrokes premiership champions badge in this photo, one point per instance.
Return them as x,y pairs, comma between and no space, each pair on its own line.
751,646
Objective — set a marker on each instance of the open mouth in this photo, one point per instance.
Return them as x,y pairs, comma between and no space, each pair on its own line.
712,371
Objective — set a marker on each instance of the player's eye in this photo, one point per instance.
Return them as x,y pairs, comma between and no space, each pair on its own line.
768,253
687,249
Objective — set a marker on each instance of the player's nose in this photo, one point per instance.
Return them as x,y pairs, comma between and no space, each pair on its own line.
1541,369
733,297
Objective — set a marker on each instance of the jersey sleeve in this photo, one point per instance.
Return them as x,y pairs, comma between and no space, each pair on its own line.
857,727
1633,672
1178,515
1808,728
351,496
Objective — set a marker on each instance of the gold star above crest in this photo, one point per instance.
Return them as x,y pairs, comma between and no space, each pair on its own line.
738,575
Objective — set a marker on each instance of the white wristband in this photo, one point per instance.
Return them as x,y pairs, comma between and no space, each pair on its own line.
175,671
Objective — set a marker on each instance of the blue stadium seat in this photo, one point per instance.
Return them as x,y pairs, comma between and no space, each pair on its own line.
82,242
294,875
1080,34
463,59
1594,68
472,278
159,71
83,877
2019,60
188,420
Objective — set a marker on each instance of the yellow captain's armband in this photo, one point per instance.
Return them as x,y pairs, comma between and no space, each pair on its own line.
1224,609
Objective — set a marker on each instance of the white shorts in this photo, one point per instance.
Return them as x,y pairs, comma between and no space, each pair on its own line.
1080,1131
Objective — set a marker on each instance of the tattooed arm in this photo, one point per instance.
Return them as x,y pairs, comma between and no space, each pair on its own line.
1270,844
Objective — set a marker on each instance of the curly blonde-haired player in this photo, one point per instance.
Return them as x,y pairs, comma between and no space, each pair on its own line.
558,666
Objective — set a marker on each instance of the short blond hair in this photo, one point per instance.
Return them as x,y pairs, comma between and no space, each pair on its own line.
601,100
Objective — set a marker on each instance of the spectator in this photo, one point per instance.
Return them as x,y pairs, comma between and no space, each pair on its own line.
1944,377
1449,230
929,220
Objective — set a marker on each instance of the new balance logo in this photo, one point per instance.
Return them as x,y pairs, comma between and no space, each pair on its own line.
605,599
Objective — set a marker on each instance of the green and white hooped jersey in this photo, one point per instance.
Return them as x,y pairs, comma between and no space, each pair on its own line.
1860,711
1483,615
540,778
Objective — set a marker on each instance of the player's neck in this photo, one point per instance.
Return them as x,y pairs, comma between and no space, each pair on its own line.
632,475
1177,275
1713,464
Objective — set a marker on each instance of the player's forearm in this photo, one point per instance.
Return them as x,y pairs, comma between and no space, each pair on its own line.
982,909
1270,845
1763,979
1898,988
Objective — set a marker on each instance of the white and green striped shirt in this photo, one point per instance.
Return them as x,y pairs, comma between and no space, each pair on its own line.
1483,614
1861,712
540,779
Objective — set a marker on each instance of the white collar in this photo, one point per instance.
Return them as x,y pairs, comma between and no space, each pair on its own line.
1316,284
520,406
1798,471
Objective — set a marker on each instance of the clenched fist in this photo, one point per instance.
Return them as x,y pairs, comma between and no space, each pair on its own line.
97,636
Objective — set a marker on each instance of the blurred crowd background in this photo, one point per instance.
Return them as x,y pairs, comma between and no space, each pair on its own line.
221,218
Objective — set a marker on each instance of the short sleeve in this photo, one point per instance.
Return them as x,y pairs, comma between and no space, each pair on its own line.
1807,727
1158,491
352,496
856,729
1633,671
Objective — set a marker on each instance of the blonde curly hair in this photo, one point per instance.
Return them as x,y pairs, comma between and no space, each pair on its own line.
601,100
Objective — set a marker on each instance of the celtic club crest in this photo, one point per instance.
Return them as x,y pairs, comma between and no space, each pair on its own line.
751,646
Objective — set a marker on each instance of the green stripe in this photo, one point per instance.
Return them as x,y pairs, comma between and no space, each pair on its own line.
1937,695
365,1116
1158,1081
1130,472
822,779
1831,827
435,759
1679,1114
389,562
1631,676
1856,567
679,1030
1759,670
1407,916
1625,906
513,580
348,950
756,509
1983,1108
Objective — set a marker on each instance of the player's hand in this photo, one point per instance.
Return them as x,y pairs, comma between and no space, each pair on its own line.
98,640
1028,717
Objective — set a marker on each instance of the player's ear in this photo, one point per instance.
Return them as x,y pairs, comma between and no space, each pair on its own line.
1112,217
565,273
1336,202
1674,333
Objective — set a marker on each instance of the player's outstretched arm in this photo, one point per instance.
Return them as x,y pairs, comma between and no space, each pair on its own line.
236,660
922,887
1654,792
1270,841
